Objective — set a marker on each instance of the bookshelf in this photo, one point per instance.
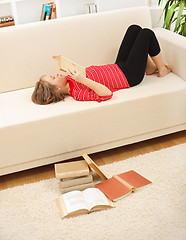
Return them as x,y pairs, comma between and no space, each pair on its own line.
11,6
27,11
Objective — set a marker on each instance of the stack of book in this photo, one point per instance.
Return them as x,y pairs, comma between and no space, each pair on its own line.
6,21
48,11
73,176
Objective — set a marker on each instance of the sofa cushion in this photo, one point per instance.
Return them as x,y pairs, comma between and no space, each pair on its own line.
38,131
27,49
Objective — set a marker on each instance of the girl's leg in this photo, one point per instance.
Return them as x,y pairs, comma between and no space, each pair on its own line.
157,63
135,65
163,69
151,67
127,43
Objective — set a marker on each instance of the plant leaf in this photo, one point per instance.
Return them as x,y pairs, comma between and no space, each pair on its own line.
184,29
169,15
181,7
159,2
166,8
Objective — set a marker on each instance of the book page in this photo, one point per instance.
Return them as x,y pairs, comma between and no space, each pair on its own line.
64,64
95,197
69,64
74,201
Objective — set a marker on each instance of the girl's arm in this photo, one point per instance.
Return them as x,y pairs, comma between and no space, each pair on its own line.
98,88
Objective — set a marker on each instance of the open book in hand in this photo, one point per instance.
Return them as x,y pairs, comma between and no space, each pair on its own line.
64,64
81,202
119,185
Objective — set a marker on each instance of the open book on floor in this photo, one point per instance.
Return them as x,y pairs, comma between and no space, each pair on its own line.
81,202
122,184
119,185
64,64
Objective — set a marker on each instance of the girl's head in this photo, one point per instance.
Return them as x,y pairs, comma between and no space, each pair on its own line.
50,89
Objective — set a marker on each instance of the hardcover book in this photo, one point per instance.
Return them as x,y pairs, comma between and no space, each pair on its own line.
79,187
122,184
53,13
93,166
42,12
82,202
47,11
69,182
64,64
71,169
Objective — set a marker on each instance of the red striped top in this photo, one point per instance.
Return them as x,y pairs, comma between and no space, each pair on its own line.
109,75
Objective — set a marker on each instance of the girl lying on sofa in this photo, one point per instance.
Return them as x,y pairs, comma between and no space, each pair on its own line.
139,53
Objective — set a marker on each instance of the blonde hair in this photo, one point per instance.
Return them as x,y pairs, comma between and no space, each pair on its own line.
44,93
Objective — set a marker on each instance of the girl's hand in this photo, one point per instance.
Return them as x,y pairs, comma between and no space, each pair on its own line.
77,76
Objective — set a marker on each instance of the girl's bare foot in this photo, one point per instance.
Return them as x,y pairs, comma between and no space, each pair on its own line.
164,71
151,69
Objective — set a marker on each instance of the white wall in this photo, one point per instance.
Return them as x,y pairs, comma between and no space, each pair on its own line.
30,10
105,5
5,10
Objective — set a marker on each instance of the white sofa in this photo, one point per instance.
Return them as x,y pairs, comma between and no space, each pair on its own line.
32,135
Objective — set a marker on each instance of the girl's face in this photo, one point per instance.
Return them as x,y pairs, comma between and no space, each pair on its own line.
59,80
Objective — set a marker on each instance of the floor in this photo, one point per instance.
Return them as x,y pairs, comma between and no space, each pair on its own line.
101,158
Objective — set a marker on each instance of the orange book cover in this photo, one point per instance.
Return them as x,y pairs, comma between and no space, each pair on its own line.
112,188
118,186
134,179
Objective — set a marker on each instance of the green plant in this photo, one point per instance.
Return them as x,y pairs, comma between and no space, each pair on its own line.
175,12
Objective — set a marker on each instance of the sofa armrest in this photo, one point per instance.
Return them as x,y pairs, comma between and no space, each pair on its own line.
173,50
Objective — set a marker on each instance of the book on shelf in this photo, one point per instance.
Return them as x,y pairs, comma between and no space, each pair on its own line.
122,184
6,21
79,187
48,11
69,182
53,11
64,64
82,202
42,12
71,169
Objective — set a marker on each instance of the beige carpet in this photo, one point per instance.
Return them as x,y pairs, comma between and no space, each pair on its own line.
157,211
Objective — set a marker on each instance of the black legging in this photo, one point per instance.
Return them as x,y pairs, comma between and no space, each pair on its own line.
132,56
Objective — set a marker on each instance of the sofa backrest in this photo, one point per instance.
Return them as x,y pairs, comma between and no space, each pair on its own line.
26,50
